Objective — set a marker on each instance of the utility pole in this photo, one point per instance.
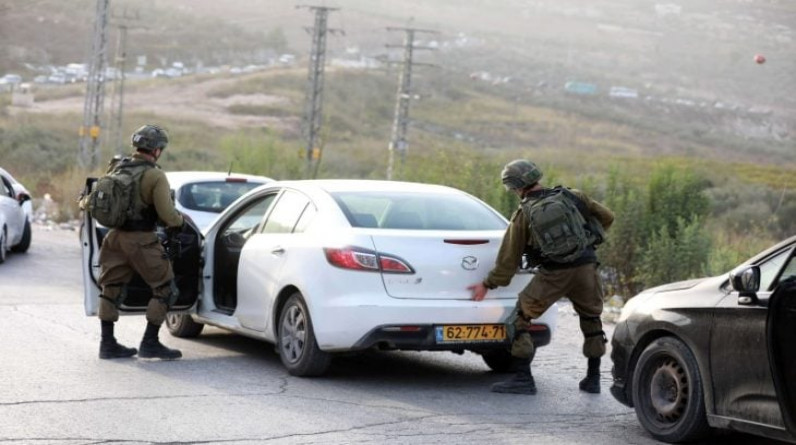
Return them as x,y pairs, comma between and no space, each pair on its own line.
314,99
95,90
117,98
398,141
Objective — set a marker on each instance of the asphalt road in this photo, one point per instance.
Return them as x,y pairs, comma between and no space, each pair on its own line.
230,389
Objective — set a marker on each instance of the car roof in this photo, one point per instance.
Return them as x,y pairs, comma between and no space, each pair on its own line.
178,178
368,185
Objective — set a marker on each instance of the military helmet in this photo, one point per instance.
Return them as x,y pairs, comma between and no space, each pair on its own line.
520,173
150,138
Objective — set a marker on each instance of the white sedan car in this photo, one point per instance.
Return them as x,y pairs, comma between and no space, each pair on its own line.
202,195
327,266
15,216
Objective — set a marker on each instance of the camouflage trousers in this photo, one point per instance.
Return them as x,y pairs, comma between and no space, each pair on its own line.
582,286
123,254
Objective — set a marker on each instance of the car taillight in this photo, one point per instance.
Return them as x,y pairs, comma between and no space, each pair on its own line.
356,258
231,179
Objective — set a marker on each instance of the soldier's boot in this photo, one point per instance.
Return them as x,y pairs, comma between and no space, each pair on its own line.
591,383
109,347
151,347
521,383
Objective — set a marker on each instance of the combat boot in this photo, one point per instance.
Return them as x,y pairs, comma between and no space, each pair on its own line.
591,383
109,347
521,383
151,347
112,349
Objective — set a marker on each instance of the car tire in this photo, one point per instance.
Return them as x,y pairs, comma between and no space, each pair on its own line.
3,245
667,392
498,360
183,326
24,243
296,343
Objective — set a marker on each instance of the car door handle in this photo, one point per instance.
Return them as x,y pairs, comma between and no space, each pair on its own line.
278,251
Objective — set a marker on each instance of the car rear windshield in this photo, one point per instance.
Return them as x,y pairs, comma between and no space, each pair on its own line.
212,196
417,211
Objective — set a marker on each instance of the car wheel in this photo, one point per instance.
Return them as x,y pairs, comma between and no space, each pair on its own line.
667,392
498,360
3,245
24,243
296,342
183,326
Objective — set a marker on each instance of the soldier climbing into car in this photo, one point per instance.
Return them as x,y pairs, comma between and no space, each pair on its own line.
134,247
575,278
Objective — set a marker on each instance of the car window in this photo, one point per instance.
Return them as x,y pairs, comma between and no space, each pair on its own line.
305,219
418,211
771,266
212,196
286,212
246,221
5,188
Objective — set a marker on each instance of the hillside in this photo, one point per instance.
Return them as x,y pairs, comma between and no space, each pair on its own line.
500,80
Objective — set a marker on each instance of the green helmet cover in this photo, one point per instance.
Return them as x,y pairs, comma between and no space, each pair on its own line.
520,173
150,138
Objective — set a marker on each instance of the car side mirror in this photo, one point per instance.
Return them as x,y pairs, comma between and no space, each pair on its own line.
22,198
746,280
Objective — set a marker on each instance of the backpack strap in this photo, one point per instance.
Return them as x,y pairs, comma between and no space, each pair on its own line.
584,210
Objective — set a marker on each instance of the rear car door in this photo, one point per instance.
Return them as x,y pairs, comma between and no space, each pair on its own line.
186,267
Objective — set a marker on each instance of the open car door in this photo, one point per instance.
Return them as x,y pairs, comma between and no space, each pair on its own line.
781,331
186,267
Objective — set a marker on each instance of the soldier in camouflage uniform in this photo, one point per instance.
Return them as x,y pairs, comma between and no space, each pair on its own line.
577,280
135,247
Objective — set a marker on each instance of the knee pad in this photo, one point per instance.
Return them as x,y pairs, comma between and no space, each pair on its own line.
114,294
522,346
594,338
167,293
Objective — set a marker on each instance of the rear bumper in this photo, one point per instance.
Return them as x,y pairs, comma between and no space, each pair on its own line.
347,324
423,338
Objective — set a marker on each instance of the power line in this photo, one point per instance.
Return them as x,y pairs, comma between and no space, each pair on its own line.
95,90
314,100
398,139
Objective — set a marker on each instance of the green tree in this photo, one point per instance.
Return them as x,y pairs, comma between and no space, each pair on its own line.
619,254
675,256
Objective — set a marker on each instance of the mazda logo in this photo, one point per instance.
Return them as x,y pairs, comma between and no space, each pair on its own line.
469,263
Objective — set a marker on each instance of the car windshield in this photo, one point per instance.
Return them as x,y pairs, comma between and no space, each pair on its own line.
417,211
212,196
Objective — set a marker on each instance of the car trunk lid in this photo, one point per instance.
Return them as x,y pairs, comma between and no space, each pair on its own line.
444,264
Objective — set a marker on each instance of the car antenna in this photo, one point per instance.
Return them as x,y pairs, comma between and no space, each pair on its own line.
229,172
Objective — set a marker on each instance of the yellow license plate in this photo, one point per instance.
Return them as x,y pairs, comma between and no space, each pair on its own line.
454,333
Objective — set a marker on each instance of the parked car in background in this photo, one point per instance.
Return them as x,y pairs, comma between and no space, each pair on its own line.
320,267
202,195
15,216
713,352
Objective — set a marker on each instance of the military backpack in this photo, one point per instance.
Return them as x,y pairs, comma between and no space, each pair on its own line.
559,229
115,197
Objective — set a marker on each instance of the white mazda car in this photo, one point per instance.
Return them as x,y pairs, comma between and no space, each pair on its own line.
15,216
328,266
